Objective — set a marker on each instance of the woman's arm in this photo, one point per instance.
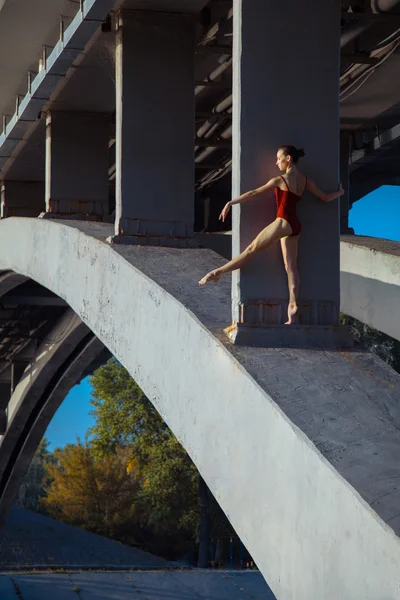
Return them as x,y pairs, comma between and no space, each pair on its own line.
272,183
324,196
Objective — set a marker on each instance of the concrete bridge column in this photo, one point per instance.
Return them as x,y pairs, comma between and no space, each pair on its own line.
77,165
345,179
22,198
286,91
154,129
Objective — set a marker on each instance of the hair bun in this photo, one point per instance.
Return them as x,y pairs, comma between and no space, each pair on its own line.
300,152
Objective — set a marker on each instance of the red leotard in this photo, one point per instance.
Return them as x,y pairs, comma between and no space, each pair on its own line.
286,203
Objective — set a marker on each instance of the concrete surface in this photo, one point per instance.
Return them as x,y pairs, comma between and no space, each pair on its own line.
310,440
193,585
270,109
370,282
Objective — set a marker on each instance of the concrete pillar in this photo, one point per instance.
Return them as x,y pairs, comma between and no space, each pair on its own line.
286,91
154,129
77,165
345,150
22,198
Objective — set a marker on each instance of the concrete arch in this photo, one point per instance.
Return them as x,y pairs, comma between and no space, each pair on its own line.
62,358
310,532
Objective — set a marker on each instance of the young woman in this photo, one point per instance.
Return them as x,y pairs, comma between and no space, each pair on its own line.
289,189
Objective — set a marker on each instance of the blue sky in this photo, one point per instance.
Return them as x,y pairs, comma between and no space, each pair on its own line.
72,418
376,215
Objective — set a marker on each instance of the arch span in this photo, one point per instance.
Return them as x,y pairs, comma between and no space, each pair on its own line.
309,530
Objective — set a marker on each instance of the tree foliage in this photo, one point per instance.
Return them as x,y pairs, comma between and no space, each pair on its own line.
170,480
96,493
32,488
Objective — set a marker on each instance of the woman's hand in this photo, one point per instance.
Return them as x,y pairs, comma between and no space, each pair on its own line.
225,211
341,190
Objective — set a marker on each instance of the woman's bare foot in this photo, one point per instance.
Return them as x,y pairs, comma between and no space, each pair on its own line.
292,314
211,276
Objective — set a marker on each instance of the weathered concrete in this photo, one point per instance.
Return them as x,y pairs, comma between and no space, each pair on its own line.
271,108
154,128
22,198
191,585
77,164
309,439
370,282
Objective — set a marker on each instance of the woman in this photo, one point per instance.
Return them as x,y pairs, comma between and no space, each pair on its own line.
286,227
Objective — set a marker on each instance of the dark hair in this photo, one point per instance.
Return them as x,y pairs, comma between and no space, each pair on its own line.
294,152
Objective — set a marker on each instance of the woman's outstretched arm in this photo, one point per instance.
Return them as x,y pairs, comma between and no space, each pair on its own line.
324,196
272,183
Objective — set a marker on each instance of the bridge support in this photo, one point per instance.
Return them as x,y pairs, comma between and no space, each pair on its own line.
77,165
345,179
22,198
154,129
285,91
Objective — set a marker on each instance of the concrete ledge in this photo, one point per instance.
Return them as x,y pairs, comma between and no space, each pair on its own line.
153,240
287,440
370,282
291,336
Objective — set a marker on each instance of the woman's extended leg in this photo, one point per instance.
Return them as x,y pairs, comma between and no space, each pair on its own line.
290,247
274,232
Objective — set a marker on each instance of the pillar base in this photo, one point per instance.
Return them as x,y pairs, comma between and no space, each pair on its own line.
154,240
273,311
291,336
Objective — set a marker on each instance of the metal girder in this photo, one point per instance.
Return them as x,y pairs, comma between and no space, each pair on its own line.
213,142
360,59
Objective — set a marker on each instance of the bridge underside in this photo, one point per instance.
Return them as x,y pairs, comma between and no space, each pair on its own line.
370,100
308,438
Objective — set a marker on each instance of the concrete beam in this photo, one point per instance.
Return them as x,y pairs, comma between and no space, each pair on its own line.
17,370
316,465
379,145
370,282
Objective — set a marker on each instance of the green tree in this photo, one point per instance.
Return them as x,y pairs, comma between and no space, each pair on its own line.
32,488
172,491
96,493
